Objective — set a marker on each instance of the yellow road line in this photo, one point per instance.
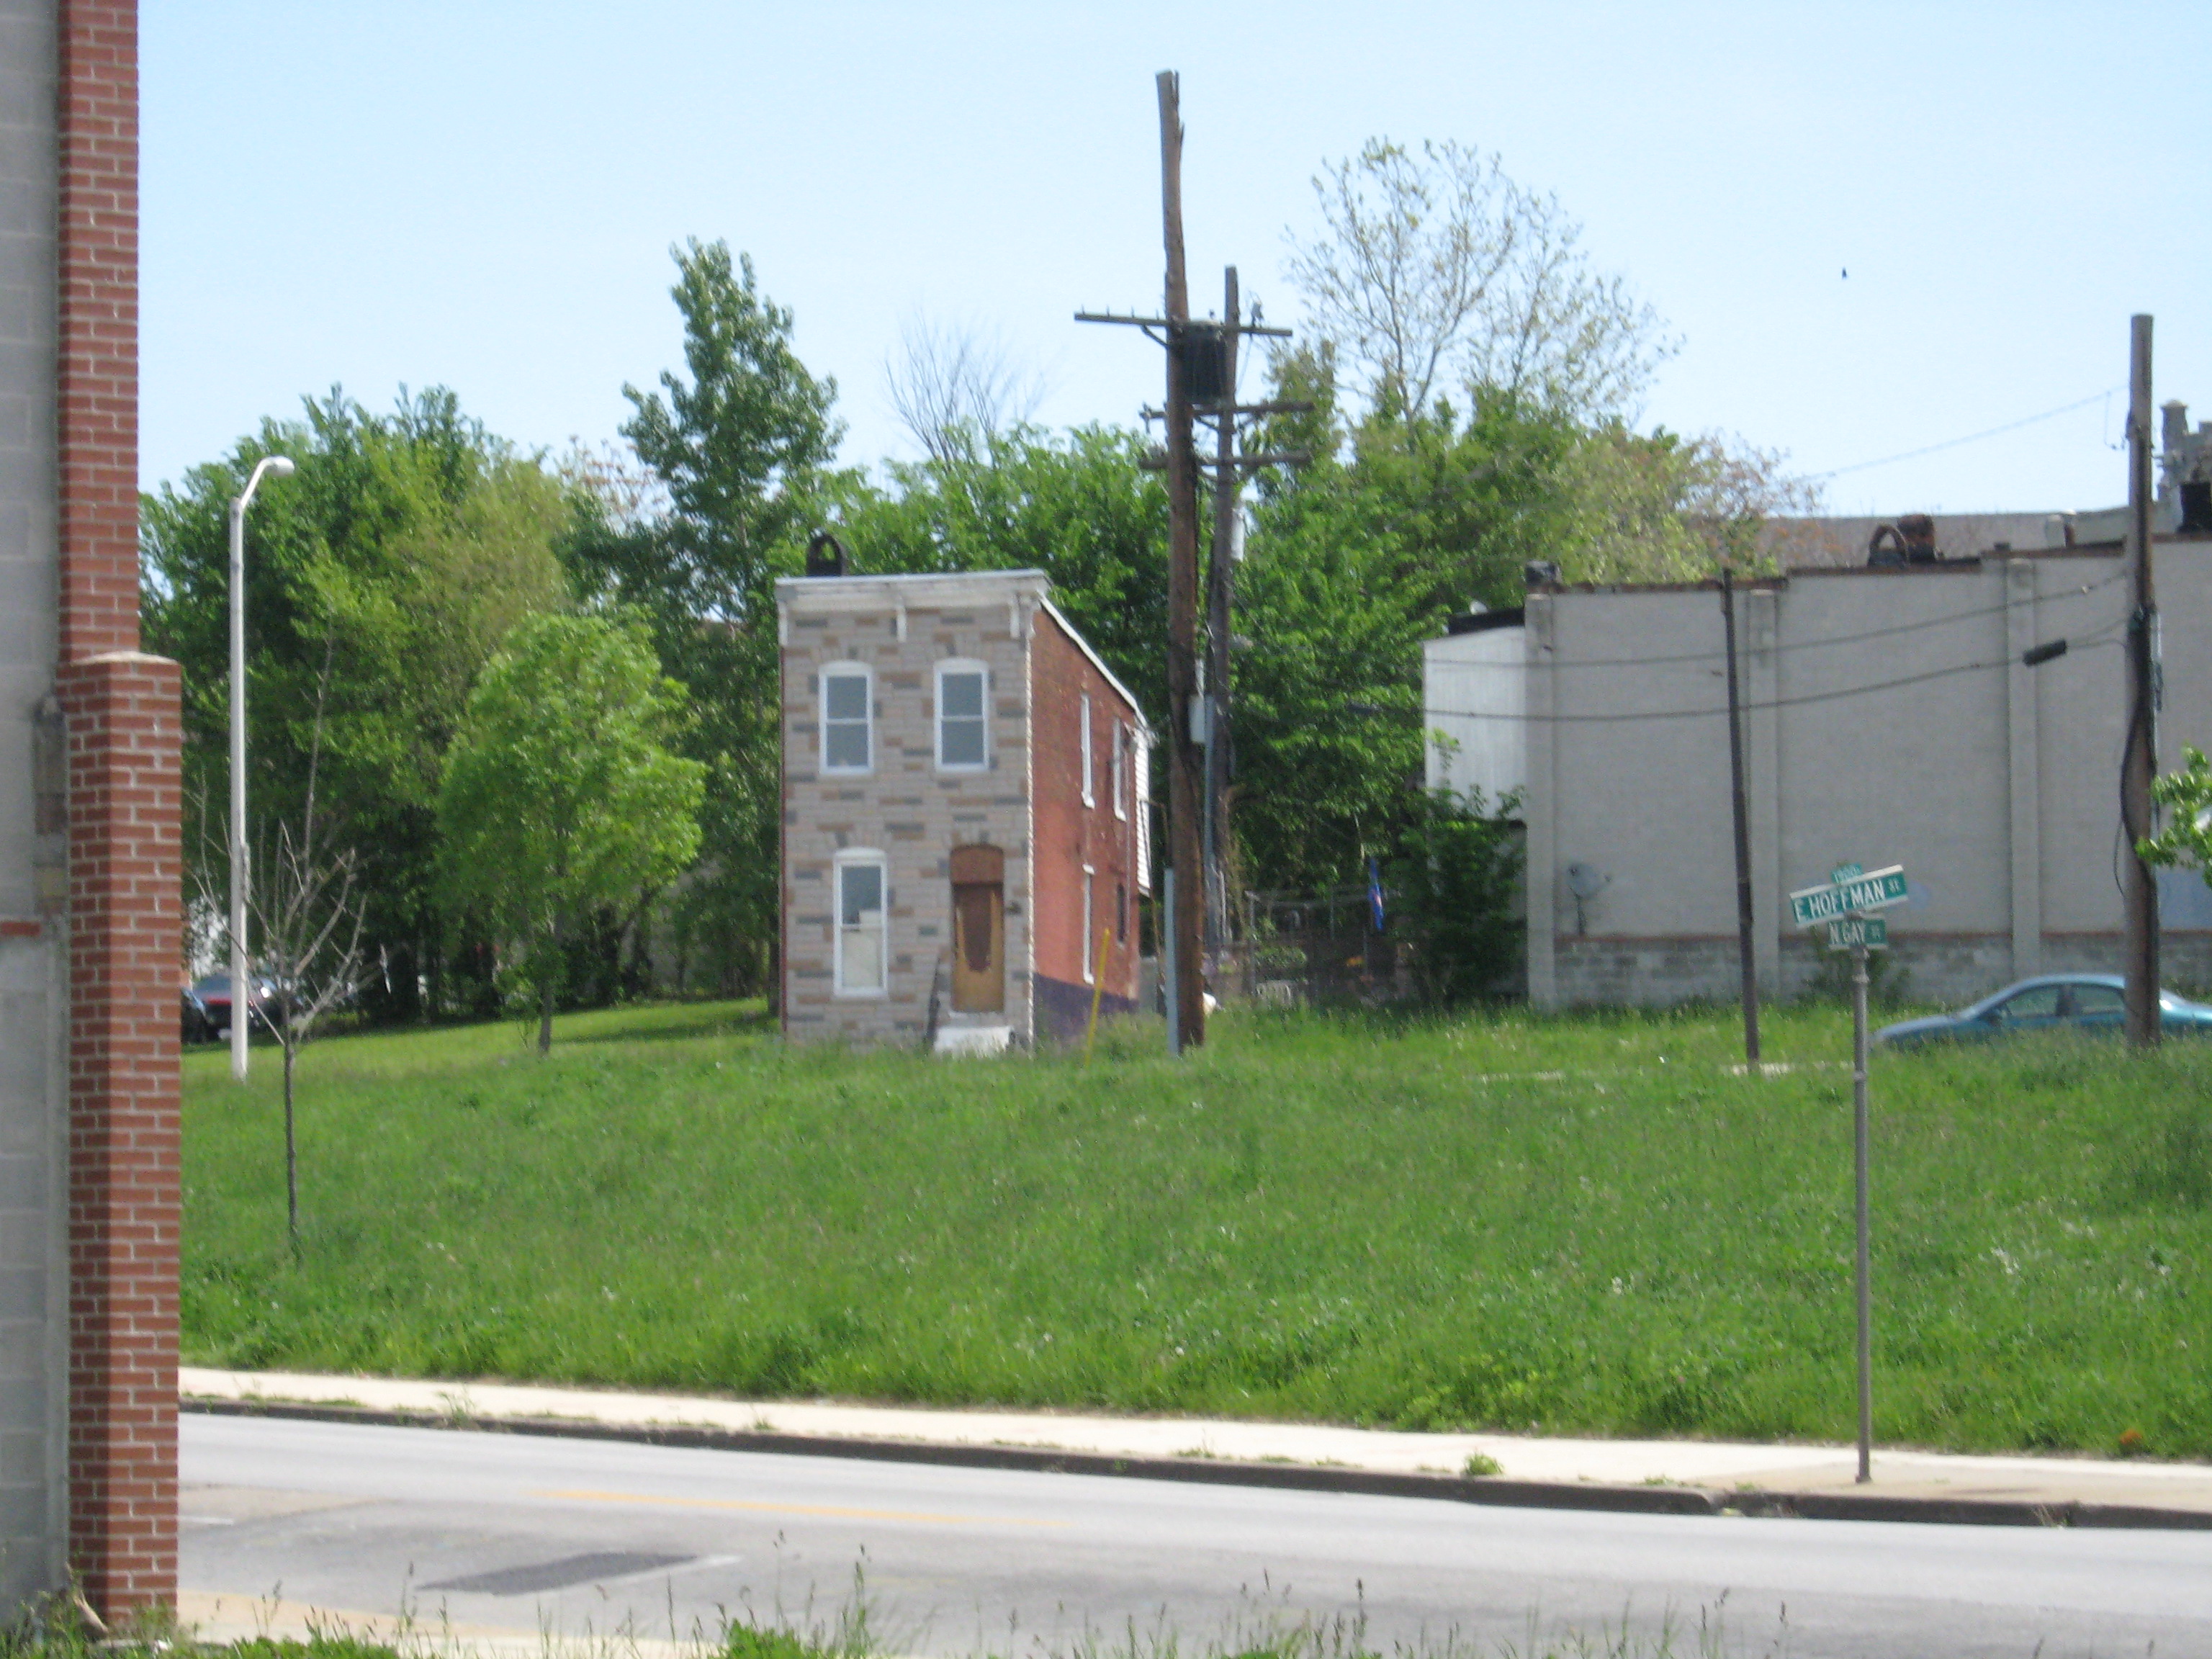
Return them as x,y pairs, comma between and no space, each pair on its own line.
830,1511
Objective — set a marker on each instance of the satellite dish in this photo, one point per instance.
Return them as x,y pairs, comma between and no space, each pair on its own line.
1587,881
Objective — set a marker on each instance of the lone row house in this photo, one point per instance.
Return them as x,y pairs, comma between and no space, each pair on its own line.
965,828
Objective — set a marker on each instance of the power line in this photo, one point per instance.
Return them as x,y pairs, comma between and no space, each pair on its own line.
1277,647
2085,589
1720,711
1971,438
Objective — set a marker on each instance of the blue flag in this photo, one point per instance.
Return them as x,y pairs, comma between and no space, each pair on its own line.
1375,894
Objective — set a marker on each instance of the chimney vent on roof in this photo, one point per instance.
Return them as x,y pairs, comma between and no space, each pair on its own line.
1910,540
826,555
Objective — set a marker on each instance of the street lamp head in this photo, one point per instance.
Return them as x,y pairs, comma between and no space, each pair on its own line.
281,466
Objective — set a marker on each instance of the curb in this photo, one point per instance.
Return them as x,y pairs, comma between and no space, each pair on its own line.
1448,1488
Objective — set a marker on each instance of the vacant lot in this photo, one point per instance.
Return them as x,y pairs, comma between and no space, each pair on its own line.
1576,1224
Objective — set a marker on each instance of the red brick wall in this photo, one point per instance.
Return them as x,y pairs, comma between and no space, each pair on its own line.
97,399
125,922
1069,835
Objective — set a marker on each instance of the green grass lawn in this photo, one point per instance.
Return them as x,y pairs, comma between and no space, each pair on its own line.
1576,1224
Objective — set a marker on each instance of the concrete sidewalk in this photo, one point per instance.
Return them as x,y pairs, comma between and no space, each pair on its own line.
1810,1479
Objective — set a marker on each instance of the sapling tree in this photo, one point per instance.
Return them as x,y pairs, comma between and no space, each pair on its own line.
307,903
560,795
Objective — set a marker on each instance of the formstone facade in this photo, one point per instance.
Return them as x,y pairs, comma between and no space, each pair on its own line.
963,813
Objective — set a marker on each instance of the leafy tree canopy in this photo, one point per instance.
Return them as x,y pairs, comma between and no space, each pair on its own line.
1079,506
560,794
378,580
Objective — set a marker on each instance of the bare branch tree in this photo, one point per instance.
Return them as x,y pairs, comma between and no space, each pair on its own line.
1436,266
952,388
628,492
307,907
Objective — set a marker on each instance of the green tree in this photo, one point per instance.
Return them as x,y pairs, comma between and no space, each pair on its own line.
1453,887
378,580
2186,795
559,795
1080,506
742,448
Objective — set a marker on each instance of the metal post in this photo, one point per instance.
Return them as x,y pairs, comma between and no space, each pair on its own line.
1219,574
1859,1128
240,873
1169,997
2140,759
1746,962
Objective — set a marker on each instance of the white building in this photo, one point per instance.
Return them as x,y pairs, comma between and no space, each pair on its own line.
1889,720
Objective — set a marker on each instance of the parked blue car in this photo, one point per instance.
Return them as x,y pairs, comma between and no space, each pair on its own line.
2073,1002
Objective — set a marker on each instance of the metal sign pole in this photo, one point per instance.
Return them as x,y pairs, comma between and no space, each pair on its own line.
1865,1263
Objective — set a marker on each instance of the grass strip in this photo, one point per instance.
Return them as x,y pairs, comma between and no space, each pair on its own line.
1565,1224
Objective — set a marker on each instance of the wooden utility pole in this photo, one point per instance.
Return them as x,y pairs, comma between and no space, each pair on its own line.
1227,488
2140,763
1199,355
1186,776
1747,961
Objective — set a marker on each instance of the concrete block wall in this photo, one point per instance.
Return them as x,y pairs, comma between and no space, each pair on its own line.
1888,719
33,1159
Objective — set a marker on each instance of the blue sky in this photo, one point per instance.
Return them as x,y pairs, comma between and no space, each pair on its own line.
484,195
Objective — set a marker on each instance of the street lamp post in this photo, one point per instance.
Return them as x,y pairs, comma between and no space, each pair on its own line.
241,994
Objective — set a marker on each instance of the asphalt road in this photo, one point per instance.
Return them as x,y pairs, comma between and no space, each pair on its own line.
581,1536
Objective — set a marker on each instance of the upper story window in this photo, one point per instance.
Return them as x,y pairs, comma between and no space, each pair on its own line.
1118,784
849,723
964,735
1088,798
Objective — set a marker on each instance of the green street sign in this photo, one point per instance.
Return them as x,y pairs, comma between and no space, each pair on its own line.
1875,890
1872,932
1844,872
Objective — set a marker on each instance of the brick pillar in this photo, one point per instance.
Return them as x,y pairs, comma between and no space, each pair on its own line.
125,920
97,367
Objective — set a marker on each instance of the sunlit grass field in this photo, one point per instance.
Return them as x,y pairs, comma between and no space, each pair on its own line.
1565,1224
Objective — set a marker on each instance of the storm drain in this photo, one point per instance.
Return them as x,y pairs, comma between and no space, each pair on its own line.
559,1574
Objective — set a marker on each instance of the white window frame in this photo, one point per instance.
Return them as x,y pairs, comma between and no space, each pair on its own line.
1088,798
866,675
981,670
1090,921
1140,784
1118,771
847,859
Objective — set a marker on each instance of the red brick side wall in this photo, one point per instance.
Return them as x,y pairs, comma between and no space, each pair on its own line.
125,920
1069,835
97,399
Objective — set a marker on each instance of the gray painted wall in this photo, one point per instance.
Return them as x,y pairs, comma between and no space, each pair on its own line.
1995,785
33,1286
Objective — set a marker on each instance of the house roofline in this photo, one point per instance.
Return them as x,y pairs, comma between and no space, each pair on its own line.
1099,663
909,588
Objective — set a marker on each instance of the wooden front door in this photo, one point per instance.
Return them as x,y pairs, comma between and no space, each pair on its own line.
979,930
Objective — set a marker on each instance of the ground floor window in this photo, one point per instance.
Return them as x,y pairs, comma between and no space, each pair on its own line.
861,906
1090,913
